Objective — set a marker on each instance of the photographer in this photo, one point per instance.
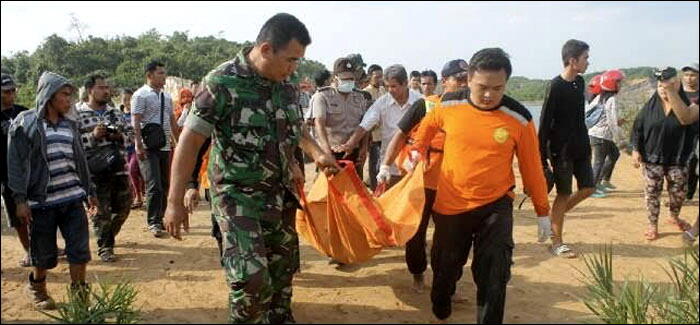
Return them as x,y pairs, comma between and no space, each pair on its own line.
663,139
102,129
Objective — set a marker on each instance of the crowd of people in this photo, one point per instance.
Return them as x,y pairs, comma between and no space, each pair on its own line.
245,132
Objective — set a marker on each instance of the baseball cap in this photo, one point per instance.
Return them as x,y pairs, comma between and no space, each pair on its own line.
343,65
454,67
7,82
692,66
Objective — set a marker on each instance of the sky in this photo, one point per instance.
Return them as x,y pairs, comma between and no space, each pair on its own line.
419,35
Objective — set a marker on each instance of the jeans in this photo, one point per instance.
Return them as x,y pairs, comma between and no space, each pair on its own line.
612,160
156,171
602,150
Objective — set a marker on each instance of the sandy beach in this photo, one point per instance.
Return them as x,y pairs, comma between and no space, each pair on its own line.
182,281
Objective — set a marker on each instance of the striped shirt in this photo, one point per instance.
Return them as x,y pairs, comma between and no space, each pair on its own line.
146,101
64,184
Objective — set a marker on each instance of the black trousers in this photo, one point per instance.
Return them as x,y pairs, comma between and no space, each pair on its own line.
416,258
490,229
155,170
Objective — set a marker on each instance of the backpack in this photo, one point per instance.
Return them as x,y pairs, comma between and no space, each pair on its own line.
594,114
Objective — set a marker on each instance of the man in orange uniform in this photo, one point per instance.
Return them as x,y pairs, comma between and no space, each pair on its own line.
454,78
484,130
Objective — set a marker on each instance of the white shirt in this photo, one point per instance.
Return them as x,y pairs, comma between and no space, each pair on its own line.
146,101
387,113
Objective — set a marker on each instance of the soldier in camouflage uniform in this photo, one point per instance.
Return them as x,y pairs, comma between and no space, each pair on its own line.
253,117
103,130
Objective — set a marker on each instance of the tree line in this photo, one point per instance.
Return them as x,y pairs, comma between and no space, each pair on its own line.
123,58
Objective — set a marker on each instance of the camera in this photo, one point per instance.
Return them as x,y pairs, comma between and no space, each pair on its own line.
112,129
663,74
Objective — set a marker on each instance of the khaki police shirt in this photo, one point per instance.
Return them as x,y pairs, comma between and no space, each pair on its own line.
343,113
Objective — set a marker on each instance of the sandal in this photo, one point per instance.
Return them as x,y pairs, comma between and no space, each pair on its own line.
680,223
563,250
26,261
651,234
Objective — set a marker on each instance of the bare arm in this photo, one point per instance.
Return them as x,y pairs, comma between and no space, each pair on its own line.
353,141
183,163
686,114
323,159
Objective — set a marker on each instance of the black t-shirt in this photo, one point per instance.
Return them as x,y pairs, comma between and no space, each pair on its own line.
563,129
6,117
412,117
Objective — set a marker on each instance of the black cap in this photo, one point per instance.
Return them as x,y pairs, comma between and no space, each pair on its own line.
343,65
7,82
454,67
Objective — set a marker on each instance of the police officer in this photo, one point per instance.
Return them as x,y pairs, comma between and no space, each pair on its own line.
338,110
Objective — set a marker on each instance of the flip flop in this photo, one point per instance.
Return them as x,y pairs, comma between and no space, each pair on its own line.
651,234
680,223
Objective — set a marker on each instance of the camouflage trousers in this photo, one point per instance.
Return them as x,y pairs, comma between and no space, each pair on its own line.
114,196
677,178
260,257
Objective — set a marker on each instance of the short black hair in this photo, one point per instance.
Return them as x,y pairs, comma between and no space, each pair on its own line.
321,77
127,91
153,65
373,67
92,80
415,74
572,49
430,73
281,29
490,59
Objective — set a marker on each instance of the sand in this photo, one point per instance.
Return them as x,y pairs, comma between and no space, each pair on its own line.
182,281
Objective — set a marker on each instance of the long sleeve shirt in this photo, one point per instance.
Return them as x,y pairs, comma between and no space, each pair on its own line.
563,129
477,166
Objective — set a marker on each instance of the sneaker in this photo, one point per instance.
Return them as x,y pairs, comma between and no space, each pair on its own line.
156,230
38,295
608,185
598,194
601,188
108,256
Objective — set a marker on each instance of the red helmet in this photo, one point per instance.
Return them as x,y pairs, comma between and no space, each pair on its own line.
594,85
610,80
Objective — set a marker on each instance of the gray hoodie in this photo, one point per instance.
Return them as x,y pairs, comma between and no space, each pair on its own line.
28,169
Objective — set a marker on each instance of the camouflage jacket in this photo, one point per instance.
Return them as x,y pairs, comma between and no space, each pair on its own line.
255,125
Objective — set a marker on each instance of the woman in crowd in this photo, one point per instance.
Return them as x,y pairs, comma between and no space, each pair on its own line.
663,138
